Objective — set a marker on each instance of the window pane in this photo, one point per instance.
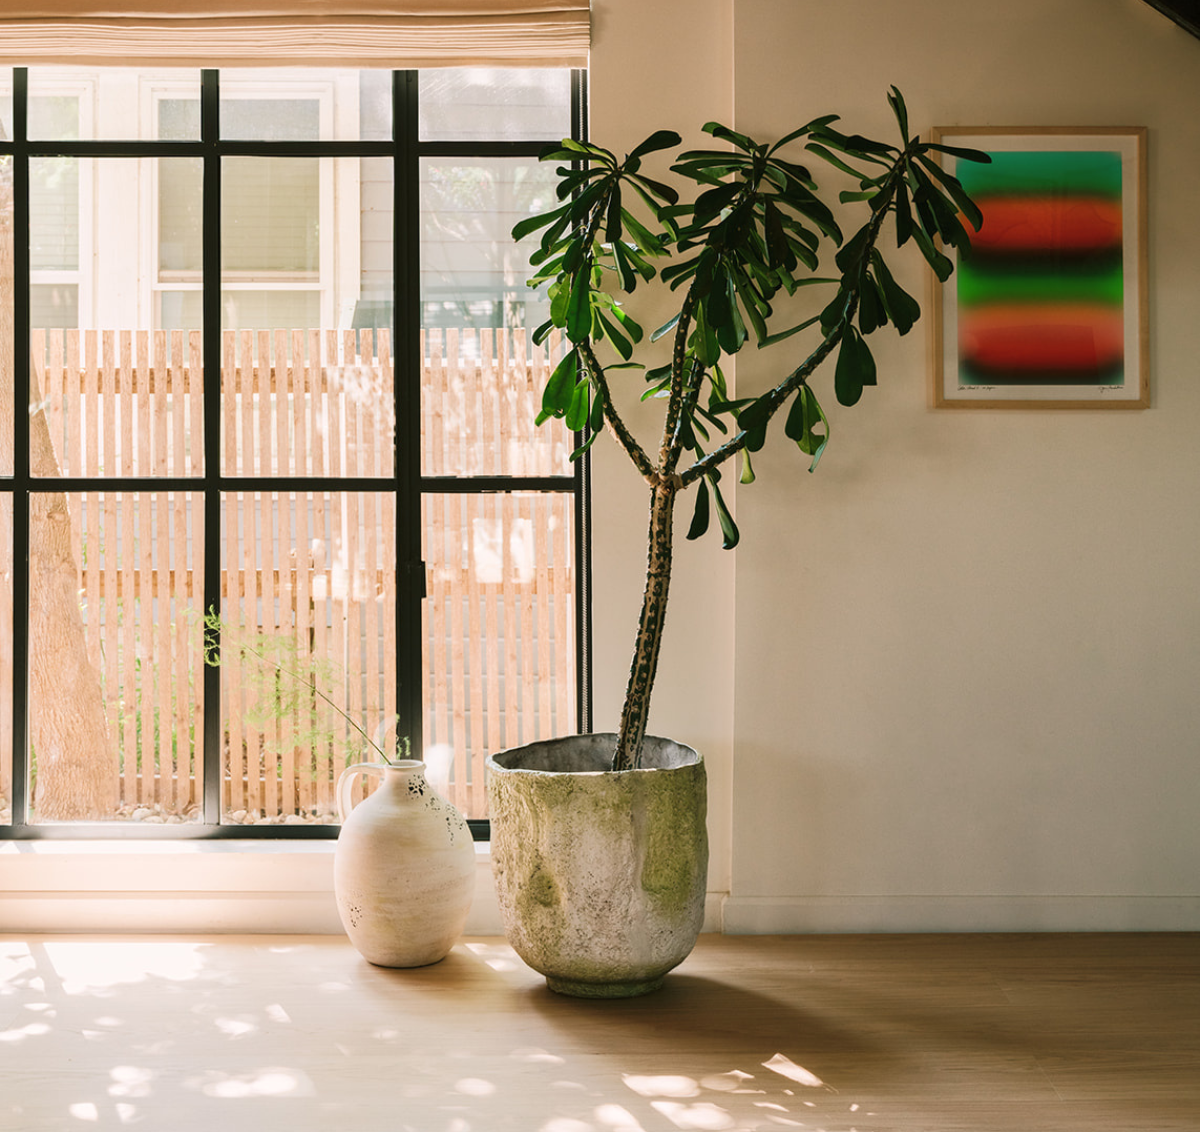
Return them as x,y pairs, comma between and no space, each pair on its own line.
302,104
6,119
480,395
7,464
472,274
54,305
495,104
123,399
106,103
483,375
53,117
6,657
54,213
115,670
499,630
309,585
270,215
307,403
307,384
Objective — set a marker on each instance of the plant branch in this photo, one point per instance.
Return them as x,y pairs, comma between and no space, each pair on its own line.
690,398
774,399
612,418
669,453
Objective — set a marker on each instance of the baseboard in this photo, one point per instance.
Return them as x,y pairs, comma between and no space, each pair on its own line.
767,915
200,887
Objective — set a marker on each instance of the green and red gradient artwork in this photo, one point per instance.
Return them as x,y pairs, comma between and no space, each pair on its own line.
1040,293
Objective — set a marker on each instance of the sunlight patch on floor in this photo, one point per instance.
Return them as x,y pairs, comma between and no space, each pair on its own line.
96,966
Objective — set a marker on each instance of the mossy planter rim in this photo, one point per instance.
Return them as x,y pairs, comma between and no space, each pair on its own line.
600,874
596,746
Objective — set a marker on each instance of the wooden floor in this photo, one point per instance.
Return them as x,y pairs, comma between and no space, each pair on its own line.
872,1033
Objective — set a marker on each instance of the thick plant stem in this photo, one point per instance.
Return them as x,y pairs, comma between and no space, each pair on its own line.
650,628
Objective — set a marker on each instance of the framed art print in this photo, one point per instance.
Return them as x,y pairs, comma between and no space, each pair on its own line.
1048,307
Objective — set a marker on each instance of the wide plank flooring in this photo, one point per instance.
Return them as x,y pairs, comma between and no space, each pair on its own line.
916,1033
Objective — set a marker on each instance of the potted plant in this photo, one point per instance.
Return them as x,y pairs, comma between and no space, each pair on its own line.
598,841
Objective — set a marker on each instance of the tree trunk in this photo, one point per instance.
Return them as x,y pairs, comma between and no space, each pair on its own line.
636,711
76,767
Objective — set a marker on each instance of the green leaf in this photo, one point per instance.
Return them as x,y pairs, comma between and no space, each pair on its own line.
712,202
660,139
574,256
704,339
656,188
943,268
579,308
803,131
834,160
700,514
850,257
731,335
747,475
855,145
612,218
750,304
666,327
628,324
871,311
742,141
957,193
903,309
903,214
642,236
569,149
779,336
728,526
556,397
579,410
532,223
627,273
945,214
966,154
803,417
896,101
619,342
855,368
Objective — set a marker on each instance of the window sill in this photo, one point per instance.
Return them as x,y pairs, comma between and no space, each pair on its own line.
188,886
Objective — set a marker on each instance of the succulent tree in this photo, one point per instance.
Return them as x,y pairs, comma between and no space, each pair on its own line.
751,235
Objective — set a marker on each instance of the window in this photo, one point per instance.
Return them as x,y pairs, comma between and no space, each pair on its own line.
277,350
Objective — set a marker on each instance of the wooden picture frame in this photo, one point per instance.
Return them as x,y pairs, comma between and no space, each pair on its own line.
1048,308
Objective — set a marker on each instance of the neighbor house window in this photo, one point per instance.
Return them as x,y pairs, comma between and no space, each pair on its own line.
276,347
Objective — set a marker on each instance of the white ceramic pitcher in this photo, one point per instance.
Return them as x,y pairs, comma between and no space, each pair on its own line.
404,867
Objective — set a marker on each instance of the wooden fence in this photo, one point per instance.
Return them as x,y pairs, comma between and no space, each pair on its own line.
307,576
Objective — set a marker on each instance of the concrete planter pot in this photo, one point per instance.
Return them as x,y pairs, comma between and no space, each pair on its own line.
600,875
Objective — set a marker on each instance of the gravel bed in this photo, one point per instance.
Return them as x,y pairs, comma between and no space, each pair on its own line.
153,813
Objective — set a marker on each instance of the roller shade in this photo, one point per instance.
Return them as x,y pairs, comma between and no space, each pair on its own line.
359,33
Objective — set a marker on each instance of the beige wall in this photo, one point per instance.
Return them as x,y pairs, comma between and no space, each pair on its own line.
953,679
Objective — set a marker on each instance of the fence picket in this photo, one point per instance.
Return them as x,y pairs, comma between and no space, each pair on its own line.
497,625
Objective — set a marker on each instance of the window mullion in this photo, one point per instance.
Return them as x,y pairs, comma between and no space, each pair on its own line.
21,484
211,282
406,347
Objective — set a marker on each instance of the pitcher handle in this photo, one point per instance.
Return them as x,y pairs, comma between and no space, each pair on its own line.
346,784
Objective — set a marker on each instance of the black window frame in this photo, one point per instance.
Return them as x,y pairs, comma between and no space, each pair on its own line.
406,149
